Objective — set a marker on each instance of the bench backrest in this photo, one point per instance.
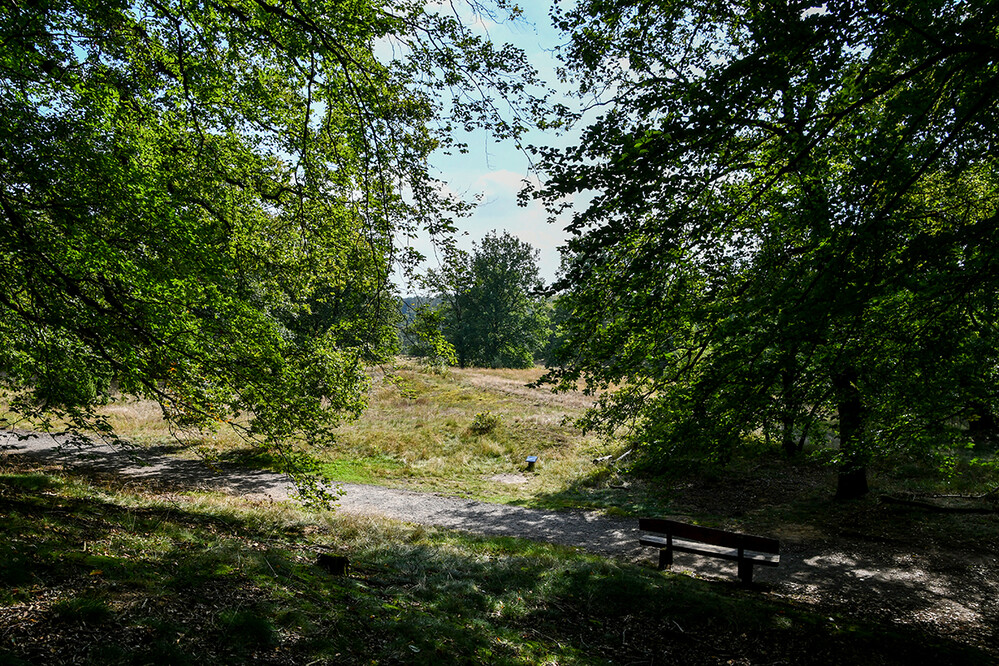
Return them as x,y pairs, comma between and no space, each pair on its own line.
709,535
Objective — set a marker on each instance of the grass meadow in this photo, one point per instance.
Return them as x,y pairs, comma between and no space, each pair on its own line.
465,432
468,431
98,569
96,572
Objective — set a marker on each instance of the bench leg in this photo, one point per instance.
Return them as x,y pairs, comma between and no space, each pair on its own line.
665,558
746,571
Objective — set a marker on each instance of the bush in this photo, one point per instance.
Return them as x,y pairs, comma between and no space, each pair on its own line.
484,423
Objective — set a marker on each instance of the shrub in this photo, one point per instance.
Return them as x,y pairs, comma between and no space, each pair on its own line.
484,423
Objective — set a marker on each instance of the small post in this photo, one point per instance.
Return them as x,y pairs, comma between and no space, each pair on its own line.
665,558
745,567
335,564
530,463
666,554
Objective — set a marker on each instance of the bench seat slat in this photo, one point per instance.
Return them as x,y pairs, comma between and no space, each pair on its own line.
721,552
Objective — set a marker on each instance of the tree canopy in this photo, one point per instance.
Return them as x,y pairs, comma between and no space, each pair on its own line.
201,202
794,227
487,304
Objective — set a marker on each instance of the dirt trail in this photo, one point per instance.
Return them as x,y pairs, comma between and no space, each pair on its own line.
921,588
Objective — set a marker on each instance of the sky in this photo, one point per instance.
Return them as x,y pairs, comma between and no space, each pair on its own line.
495,171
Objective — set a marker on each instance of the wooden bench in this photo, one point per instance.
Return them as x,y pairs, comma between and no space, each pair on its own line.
747,550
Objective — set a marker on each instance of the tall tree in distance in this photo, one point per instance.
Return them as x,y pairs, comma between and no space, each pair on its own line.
794,227
199,201
488,303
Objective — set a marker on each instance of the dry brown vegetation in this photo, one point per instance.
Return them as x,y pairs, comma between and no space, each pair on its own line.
421,431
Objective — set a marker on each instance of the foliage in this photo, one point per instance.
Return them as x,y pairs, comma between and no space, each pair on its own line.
484,423
199,202
558,312
794,226
489,305
425,335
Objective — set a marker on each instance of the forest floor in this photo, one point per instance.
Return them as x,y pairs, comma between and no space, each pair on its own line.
897,565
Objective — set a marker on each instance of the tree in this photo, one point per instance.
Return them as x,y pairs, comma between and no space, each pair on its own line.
424,334
794,223
489,304
199,201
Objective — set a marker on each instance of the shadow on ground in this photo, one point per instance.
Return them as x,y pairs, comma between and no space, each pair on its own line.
86,578
862,562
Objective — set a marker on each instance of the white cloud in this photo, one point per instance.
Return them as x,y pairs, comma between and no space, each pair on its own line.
499,211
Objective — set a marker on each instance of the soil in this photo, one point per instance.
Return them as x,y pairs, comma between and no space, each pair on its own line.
895,563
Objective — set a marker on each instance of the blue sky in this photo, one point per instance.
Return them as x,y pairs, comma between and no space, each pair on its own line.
495,171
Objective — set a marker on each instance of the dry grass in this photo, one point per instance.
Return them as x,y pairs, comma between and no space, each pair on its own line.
418,433
515,383
141,422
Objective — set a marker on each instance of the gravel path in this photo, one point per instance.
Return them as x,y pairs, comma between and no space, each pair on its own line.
587,530
858,575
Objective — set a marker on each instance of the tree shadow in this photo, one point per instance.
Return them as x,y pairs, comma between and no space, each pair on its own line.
148,464
119,583
888,565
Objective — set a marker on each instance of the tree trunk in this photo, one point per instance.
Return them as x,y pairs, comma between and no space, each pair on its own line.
789,409
791,446
852,481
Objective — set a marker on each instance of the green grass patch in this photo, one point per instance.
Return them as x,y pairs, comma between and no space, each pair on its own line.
90,609
369,469
27,482
112,577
